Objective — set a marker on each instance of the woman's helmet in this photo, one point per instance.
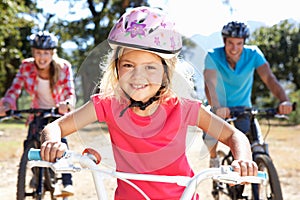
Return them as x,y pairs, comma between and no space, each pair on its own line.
43,40
148,29
235,30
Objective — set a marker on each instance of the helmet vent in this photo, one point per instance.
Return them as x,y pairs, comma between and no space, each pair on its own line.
153,29
126,24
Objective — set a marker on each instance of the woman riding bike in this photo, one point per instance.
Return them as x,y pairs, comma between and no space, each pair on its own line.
48,79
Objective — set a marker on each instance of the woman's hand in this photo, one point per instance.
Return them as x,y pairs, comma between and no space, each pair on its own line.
50,150
245,167
63,107
3,108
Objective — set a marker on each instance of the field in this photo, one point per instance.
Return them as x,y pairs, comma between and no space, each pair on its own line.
284,142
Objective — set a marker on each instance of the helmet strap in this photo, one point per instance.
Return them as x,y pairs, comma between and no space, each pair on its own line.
140,104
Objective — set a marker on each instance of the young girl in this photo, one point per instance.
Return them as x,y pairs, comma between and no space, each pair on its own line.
147,122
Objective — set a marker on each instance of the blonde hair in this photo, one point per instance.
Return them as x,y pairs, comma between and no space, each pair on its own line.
109,83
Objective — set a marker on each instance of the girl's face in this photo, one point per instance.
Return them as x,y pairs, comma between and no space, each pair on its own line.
140,74
42,57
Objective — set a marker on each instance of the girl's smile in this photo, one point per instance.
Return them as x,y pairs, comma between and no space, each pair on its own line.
42,58
140,74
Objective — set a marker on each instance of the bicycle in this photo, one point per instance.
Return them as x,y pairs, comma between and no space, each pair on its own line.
37,181
260,154
90,158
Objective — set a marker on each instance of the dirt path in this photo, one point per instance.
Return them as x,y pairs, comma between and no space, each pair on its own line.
284,150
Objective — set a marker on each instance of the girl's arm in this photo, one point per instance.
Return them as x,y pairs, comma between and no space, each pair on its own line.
230,136
52,147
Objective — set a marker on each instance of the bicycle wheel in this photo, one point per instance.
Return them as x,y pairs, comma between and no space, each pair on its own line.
223,191
27,178
30,179
272,189
50,181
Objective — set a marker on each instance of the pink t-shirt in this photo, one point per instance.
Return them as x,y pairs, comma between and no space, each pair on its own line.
150,145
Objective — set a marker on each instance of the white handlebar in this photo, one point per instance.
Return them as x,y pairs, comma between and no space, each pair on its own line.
67,164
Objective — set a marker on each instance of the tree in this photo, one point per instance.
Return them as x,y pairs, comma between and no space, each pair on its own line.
280,44
14,27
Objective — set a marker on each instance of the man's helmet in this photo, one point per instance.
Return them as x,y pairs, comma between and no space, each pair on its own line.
235,30
43,40
147,29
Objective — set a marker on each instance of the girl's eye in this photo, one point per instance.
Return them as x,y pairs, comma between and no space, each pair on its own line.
127,65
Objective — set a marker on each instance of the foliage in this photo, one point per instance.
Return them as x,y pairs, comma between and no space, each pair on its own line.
14,28
280,45
294,117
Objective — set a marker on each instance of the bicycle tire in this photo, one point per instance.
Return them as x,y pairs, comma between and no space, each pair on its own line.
50,181
223,191
27,182
272,190
26,177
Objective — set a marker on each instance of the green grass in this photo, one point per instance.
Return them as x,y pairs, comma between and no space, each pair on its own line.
11,125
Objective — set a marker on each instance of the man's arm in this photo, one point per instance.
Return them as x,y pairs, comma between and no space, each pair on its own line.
267,76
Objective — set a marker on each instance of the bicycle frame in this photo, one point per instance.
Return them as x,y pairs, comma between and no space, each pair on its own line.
260,154
42,181
258,145
88,160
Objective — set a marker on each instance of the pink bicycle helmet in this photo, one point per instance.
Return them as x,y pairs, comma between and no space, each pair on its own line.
148,29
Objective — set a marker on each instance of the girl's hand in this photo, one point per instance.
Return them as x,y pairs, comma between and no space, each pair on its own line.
245,167
50,150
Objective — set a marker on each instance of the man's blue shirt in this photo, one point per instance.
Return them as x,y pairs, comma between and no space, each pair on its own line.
234,86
